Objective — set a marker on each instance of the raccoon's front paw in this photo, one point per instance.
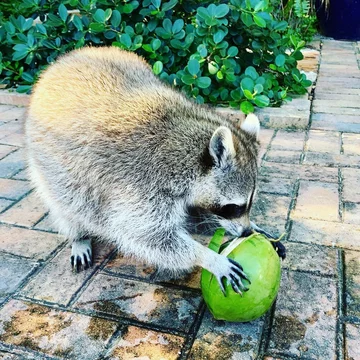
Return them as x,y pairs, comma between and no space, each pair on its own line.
81,255
280,249
227,269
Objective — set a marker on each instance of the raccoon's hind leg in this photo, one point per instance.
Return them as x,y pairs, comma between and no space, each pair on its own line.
81,254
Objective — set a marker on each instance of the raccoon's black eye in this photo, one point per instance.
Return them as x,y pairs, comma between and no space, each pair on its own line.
232,211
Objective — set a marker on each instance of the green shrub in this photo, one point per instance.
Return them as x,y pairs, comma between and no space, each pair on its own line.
225,53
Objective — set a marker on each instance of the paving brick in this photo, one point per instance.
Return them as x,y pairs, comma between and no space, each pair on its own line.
326,233
12,164
28,243
293,171
341,103
13,271
4,203
46,224
288,140
332,160
333,89
26,212
57,282
265,137
340,73
6,150
351,180
56,333
13,189
351,143
301,257
144,302
21,175
317,200
347,97
352,342
267,205
14,113
345,123
335,110
305,317
324,141
220,340
14,140
352,279
283,156
351,214
279,186
137,343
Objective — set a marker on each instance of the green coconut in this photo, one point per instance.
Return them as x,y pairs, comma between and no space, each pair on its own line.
261,264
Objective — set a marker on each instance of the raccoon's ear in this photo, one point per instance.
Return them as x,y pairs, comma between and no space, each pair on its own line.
251,125
221,147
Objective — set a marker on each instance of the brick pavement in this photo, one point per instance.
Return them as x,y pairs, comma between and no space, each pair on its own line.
120,309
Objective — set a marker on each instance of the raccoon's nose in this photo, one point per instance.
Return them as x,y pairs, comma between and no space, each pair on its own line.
247,232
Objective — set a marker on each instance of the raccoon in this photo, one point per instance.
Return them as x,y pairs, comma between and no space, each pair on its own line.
118,155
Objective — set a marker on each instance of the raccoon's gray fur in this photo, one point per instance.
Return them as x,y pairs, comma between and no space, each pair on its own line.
116,154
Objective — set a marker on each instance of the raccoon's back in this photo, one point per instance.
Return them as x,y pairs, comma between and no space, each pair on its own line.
96,89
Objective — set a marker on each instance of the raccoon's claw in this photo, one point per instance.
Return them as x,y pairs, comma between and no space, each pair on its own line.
280,249
81,255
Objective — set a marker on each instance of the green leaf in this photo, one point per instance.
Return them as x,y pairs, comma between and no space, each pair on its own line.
115,18
232,51
306,83
125,40
259,21
27,77
108,13
246,19
258,88
10,28
218,36
78,23
247,107
247,84
297,55
147,47
177,26
261,100
259,6
18,55
220,75
63,13
99,16
202,50
203,82
158,67
221,10
236,95
281,26
155,44
156,3
23,89
188,79
280,60
96,27
203,13
193,66
169,5
213,67
251,72
167,25
248,94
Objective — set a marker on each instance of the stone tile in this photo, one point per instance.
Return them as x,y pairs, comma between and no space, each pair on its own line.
265,137
334,89
288,140
352,342
284,156
293,171
14,140
6,150
351,143
267,205
14,98
347,97
46,224
21,175
332,160
326,233
12,164
351,180
272,185
53,332
351,214
15,113
347,82
301,257
28,243
4,203
11,128
141,301
13,189
317,200
305,317
335,110
221,340
57,282
13,271
345,123
138,343
324,141
26,212
352,280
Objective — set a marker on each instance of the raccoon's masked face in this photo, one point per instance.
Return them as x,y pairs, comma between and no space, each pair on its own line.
227,192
